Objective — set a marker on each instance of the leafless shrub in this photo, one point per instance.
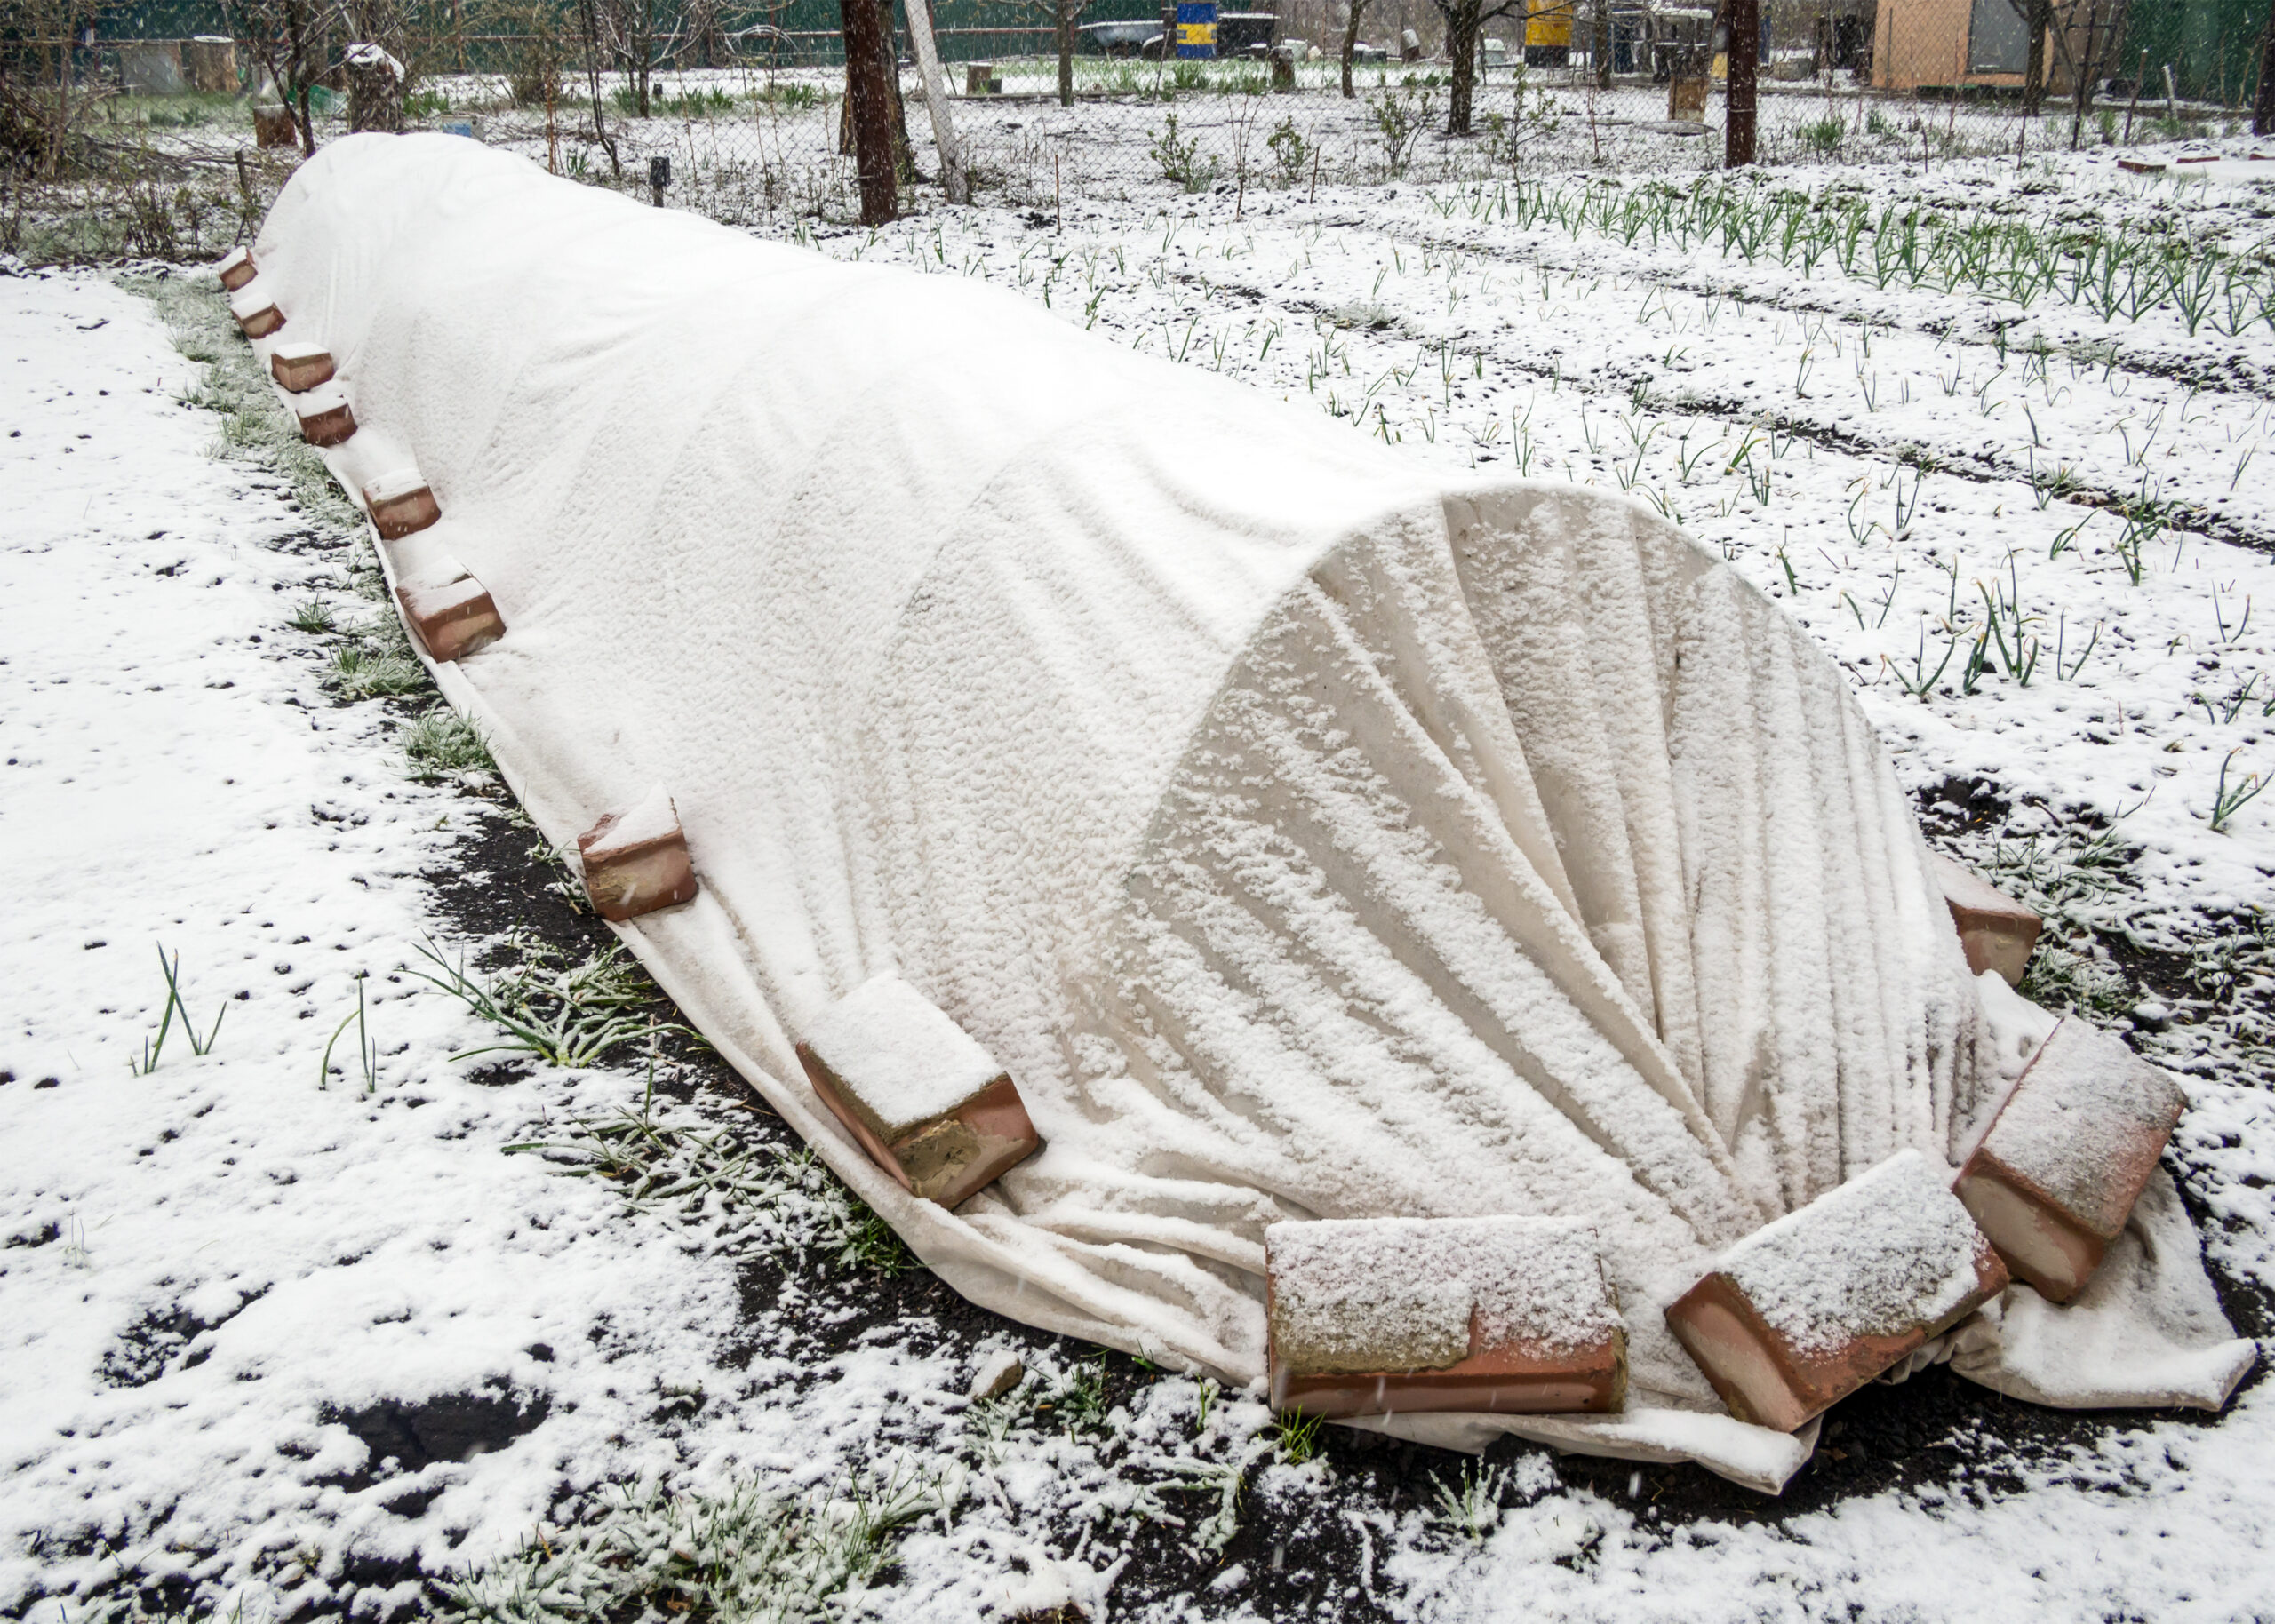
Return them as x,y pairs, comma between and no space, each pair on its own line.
48,87
291,41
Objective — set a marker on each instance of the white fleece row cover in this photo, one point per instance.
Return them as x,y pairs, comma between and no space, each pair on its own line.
1308,837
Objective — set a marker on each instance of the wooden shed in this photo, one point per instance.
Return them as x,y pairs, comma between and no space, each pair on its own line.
1922,42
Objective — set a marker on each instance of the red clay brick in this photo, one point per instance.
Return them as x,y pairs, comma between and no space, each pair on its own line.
918,1093
636,859
450,613
326,418
300,367
237,269
1387,1316
2065,1157
1806,1310
257,315
1996,932
400,505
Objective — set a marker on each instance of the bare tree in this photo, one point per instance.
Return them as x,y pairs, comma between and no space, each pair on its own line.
896,117
2103,29
1358,9
1066,17
290,40
1741,56
704,43
868,105
2085,34
537,68
631,31
2038,18
1465,21
589,21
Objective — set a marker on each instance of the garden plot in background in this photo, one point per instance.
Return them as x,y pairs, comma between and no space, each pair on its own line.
749,141
2076,671
746,140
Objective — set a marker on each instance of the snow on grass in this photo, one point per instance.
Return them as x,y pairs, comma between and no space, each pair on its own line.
585,1317
228,1281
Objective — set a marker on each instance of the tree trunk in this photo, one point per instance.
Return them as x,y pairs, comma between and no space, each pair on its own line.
2038,18
2088,58
1743,54
1350,44
1064,13
1462,26
1602,46
644,43
869,98
589,17
295,87
2262,106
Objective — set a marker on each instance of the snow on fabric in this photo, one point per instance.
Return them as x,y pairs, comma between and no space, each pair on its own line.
1308,839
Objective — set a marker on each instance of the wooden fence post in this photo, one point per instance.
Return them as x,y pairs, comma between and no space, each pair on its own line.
1741,53
870,91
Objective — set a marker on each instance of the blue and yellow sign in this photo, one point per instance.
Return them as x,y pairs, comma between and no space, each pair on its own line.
1196,28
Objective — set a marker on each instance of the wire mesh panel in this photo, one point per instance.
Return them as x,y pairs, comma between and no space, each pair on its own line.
754,137
1059,99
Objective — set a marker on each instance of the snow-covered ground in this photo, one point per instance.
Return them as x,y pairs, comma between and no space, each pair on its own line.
228,1294
217,1271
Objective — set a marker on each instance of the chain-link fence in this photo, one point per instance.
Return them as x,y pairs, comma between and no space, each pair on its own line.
740,141
746,111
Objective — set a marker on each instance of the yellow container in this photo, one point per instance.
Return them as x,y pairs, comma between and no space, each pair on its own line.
1552,28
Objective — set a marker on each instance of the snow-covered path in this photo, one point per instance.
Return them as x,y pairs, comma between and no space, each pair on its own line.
225,1291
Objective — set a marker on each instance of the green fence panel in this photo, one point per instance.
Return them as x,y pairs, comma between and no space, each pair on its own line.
799,31
2212,46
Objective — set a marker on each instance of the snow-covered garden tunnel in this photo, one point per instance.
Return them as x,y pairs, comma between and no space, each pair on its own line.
1311,837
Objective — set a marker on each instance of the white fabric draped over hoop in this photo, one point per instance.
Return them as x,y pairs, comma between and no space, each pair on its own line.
1311,836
